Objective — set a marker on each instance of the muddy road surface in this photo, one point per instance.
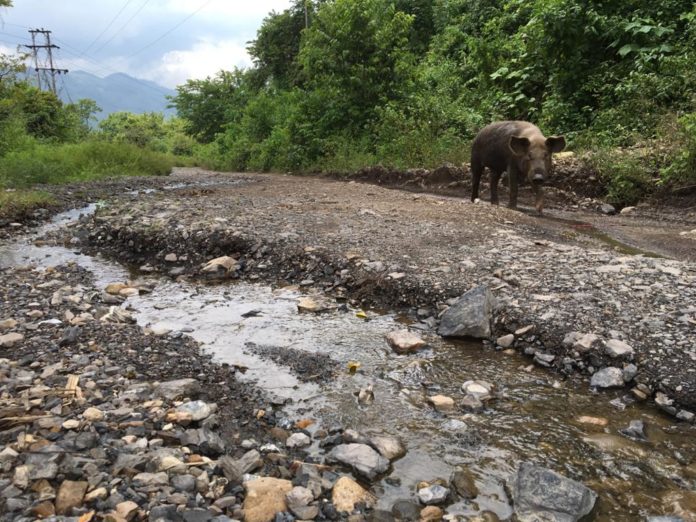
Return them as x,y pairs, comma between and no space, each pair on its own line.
270,297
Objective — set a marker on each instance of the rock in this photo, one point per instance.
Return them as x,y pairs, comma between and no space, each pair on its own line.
361,457
627,210
186,483
462,481
406,510
595,421
93,414
432,495
21,477
298,440
172,390
70,336
127,510
308,304
151,479
71,424
431,514
43,509
442,403
347,493
635,430
541,494
10,339
389,447
471,402
581,342
197,410
606,208
234,470
96,494
479,389
265,497
544,359
298,502
366,395
70,495
505,341
403,341
171,258
470,316
224,264
115,288
665,403
7,324
610,377
629,372
615,348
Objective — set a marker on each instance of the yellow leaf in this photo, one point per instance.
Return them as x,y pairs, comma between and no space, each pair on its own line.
353,366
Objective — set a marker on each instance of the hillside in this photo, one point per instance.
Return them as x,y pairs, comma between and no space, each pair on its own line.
117,92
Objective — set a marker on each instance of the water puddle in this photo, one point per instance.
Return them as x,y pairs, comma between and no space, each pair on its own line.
588,229
536,417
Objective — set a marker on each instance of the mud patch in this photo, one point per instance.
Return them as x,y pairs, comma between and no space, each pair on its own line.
308,367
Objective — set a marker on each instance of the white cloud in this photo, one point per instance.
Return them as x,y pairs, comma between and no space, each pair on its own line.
230,10
204,59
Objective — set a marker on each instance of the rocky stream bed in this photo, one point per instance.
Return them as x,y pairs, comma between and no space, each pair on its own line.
181,386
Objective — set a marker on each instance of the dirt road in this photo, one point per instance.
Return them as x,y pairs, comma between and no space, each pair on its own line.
397,249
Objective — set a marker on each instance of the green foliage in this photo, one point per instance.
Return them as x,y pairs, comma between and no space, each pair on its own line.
409,82
207,106
16,203
149,130
63,163
682,168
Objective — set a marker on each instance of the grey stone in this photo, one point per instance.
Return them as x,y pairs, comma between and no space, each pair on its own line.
629,372
298,440
635,430
185,483
433,495
198,410
505,341
616,348
389,447
470,316
179,388
610,377
406,510
361,457
606,208
541,494
234,469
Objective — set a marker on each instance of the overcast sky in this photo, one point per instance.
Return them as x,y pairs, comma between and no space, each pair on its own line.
107,36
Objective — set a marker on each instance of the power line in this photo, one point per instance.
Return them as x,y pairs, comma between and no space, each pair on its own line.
167,33
108,26
125,24
48,47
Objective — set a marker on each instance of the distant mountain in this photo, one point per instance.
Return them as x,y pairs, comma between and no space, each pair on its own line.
117,92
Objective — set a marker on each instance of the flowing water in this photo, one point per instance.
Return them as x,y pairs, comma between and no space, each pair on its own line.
535,417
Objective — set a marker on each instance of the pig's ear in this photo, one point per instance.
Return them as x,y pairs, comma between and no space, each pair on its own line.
518,145
555,143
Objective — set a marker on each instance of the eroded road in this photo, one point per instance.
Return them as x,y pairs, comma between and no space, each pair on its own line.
555,279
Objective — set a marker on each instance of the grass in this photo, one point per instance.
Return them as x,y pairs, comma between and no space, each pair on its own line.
14,204
89,160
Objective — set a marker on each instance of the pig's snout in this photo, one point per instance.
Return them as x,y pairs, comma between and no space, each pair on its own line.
538,177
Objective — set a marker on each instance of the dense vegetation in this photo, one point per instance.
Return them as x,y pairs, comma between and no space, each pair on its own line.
43,140
408,83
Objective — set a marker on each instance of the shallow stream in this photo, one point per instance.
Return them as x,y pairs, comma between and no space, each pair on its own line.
536,416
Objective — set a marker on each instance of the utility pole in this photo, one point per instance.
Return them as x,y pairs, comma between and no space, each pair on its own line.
51,69
306,15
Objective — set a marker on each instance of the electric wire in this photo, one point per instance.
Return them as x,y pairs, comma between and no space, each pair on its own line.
125,24
108,26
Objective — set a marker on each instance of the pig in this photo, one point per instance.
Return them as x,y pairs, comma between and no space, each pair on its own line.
518,147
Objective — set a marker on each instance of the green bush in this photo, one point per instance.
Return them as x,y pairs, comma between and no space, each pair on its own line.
62,163
682,168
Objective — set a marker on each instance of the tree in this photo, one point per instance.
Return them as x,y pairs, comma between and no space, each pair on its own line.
209,105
